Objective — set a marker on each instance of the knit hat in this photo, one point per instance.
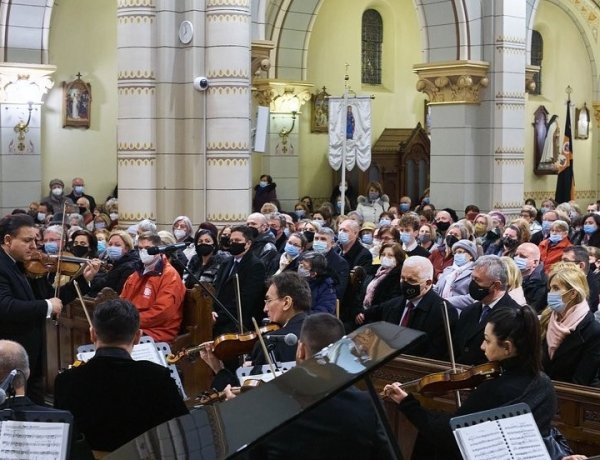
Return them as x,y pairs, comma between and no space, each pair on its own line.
57,182
468,246
498,215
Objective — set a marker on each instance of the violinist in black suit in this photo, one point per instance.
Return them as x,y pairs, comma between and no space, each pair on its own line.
22,316
489,288
251,274
419,307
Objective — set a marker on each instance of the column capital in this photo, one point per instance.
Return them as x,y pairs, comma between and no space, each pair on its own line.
23,83
452,82
276,93
596,106
530,72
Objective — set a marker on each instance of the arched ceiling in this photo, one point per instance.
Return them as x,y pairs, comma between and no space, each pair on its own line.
24,30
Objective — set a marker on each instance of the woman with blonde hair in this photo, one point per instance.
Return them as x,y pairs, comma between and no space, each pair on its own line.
514,282
571,335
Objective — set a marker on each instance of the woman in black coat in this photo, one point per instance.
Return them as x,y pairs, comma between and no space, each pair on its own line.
123,258
512,340
589,235
571,346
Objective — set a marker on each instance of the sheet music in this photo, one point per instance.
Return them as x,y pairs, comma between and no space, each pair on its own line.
512,438
33,440
141,352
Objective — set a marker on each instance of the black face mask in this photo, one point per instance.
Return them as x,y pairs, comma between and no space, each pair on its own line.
450,240
235,249
273,231
224,240
254,232
478,292
82,210
509,242
204,249
442,226
310,236
410,291
79,251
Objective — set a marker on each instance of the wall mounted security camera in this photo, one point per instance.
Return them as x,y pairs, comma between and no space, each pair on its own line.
200,83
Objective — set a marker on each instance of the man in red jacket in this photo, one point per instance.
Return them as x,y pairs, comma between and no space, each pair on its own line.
157,291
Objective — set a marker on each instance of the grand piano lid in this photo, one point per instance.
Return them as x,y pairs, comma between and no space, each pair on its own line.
225,429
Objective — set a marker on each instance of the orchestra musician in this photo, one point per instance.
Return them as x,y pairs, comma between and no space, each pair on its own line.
345,426
287,303
22,316
112,397
511,338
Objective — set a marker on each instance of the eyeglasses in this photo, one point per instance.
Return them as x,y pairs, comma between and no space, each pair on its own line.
267,301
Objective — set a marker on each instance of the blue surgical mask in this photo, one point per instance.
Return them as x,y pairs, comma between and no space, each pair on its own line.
404,207
544,210
367,238
588,229
319,246
114,252
263,183
291,250
521,263
555,302
303,272
343,237
101,246
78,189
546,224
460,259
286,232
300,213
99,225
383,222
555,238
405,237
51,247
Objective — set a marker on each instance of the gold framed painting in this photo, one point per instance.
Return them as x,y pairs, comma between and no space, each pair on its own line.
77,103
319,117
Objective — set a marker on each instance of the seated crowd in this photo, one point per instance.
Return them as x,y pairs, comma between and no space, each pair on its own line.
379,261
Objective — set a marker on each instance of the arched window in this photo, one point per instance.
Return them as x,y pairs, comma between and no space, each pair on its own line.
372,39
537,54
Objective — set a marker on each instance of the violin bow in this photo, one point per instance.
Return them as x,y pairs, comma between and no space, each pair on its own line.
87,315
239,302
450,346
61,249
263,346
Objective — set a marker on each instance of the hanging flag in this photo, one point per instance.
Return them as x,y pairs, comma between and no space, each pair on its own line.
565,183
350,124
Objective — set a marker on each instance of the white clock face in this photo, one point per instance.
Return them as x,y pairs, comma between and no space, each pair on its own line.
186,32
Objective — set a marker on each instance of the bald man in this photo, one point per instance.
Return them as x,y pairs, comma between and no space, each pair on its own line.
535,282
264,244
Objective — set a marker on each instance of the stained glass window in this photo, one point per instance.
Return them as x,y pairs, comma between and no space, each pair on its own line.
372,40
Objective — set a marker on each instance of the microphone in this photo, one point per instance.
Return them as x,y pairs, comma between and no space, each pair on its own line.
6,384
289,339
153,250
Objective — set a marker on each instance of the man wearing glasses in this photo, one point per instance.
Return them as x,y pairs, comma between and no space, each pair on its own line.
22,316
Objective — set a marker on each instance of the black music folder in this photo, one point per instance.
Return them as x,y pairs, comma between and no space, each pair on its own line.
225,430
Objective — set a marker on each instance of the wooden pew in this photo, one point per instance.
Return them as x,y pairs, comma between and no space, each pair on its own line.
72,331
578,416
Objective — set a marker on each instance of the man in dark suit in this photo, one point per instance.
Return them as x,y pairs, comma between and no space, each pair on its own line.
489,288
22,316
535,282
251,274
418,308
113,398
579,255
14,357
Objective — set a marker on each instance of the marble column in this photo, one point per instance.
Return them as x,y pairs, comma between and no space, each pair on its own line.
228,42
136,133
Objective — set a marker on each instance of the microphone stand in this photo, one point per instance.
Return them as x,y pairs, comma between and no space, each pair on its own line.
177,263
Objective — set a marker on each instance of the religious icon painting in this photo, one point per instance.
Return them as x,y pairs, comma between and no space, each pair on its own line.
319,118
77,103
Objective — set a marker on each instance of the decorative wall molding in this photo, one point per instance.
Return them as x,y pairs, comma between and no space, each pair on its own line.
226,217
135,217
231,18
530,72
227,73
243,3
136,19
452,82
135,3
232,146
137,147
227,162
35,76
128,162
136,90
545,194
272,92
136,75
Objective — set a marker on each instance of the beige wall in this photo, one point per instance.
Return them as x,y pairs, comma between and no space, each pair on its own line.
335,41
83,39
565,63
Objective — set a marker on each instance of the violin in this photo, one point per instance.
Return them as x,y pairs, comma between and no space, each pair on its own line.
226,346
41,263
212,396
442,382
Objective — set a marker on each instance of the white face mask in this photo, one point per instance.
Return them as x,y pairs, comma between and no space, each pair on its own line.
179,234
146,258
388,262
57,191
114,215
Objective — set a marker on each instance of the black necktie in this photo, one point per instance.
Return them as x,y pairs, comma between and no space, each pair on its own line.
485,311
234,267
